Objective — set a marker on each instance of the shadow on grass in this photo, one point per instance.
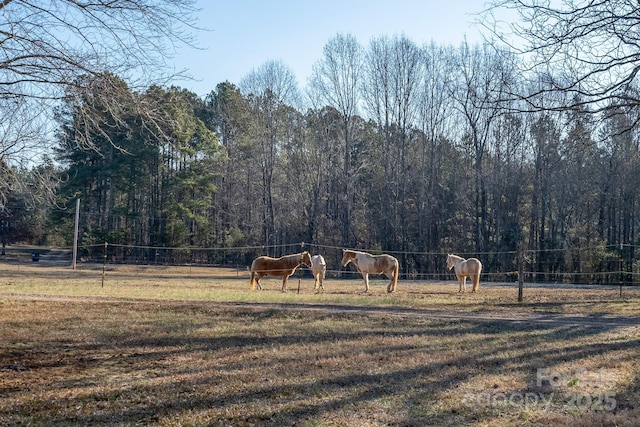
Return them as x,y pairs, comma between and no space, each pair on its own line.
175,364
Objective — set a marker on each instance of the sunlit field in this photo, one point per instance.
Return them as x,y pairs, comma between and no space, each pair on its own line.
176,346
232,285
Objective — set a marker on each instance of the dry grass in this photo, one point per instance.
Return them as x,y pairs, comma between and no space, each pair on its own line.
230,285
187,346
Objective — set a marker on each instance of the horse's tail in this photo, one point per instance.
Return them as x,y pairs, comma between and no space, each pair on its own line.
252,283
476,277
396,273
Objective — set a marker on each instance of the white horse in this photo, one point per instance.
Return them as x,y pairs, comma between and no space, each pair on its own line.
377,264
464,268
318,268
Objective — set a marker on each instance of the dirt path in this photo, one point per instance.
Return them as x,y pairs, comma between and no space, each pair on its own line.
595,320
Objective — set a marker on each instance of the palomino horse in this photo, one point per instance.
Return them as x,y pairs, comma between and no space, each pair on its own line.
464,268
283,266
377,264
318,268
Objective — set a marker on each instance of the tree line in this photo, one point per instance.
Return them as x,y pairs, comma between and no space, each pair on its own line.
398,148
390,146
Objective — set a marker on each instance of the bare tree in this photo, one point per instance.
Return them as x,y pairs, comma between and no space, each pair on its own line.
271,89
334,83
46,45
437,124
588,50
394,69
49,47
483,74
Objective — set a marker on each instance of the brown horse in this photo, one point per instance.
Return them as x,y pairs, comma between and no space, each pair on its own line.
377,264
464,268
283,266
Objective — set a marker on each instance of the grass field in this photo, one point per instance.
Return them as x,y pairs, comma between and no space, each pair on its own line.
181,346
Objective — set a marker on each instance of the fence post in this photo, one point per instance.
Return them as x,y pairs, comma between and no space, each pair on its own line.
620,267
104,263
520,273
75,235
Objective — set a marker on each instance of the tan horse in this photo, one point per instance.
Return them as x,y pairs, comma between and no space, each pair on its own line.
464,268
377,264
283,266
318,268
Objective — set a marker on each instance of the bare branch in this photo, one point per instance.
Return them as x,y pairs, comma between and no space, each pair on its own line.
590,51
53,49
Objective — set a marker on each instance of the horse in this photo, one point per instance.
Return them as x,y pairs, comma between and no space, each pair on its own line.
377,264
283,266
464,268
318,268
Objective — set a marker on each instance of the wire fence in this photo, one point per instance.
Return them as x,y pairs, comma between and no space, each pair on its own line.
598,265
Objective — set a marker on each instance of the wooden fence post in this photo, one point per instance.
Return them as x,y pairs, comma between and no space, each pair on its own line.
520,273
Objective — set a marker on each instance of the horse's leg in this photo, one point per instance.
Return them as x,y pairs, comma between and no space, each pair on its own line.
463,284
365,276
284,282
258,277
390,277
476,282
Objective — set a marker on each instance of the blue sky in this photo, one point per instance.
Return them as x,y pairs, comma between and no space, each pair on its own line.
244,34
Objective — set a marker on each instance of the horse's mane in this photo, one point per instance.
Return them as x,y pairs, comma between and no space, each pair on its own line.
355,252
297,256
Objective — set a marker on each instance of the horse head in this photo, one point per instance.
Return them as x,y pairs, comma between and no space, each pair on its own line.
305,258
347,257
450,261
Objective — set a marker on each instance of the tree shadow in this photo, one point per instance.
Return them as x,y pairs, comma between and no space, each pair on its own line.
284,366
